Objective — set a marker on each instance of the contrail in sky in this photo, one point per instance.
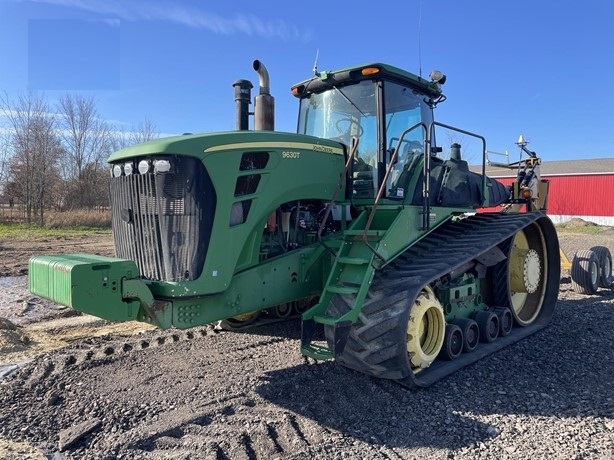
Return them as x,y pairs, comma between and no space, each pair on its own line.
186,15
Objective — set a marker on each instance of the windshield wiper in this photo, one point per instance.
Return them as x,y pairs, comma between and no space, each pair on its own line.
349,100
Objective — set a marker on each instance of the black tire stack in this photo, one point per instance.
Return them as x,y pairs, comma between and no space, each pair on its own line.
591,269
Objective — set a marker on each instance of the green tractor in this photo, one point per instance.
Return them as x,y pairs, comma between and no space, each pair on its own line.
356,222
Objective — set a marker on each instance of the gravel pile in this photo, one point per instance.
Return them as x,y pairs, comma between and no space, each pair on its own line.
202,394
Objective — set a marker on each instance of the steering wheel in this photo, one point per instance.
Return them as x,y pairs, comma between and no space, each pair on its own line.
407,145
408,148
414,147
339,125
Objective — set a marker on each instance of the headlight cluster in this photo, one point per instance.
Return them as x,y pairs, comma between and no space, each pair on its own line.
143,167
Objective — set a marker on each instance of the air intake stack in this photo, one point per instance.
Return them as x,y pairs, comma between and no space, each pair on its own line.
243,98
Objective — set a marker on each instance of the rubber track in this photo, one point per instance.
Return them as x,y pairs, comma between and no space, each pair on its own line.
445,249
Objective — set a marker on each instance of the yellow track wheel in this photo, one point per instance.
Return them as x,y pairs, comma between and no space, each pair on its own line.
527,273
425,330
240,321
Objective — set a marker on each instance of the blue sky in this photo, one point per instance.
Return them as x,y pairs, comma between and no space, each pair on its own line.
538,68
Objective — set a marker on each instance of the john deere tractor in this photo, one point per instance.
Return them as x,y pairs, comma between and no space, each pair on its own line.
360,222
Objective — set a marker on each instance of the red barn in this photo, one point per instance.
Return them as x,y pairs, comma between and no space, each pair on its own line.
578,188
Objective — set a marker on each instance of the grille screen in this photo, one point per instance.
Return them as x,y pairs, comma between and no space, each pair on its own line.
163,221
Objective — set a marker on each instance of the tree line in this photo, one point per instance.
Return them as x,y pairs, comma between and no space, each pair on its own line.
54,156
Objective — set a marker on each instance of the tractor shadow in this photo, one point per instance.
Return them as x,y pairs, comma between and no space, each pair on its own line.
563,371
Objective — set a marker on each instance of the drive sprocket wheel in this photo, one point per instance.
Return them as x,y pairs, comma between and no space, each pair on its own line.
520,280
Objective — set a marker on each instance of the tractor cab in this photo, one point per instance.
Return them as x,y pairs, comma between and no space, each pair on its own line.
383,107
390,112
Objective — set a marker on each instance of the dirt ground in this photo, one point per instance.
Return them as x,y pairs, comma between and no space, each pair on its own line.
76,387
14,253
33,325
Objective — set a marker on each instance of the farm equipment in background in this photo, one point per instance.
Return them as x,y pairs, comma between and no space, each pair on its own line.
589,269
356,222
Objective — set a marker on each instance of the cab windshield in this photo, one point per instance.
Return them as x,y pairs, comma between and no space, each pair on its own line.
340,113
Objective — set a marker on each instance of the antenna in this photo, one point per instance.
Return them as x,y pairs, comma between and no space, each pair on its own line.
420,41
315,64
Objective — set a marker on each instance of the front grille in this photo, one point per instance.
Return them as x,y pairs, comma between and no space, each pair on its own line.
163,221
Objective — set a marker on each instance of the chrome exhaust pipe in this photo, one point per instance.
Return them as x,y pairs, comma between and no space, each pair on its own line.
264,103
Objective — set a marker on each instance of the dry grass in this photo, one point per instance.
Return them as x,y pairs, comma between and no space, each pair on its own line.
57,224
58,220
78,219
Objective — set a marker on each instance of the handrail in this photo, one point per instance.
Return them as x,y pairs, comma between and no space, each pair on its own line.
329,207
426,199
484,153
380,191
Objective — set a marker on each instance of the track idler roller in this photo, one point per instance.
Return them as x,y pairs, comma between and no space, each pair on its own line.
488,324
452,343
283,310
506,320
302,305
471,333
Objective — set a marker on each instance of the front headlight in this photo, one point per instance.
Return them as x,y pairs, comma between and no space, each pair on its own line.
117,170
162,166
143,166
128,169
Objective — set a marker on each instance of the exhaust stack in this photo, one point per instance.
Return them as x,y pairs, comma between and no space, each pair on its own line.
264,103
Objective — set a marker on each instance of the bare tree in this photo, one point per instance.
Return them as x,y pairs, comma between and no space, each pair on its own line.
117,139
37,149
468,146
5,155
37,139
144,131
86,138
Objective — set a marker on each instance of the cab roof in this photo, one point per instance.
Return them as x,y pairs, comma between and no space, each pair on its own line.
328,79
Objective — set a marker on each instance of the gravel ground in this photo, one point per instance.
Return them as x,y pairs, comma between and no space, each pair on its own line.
200,394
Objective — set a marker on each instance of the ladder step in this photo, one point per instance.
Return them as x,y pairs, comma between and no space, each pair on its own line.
379,233
327,320
317,352
346,290
353,260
